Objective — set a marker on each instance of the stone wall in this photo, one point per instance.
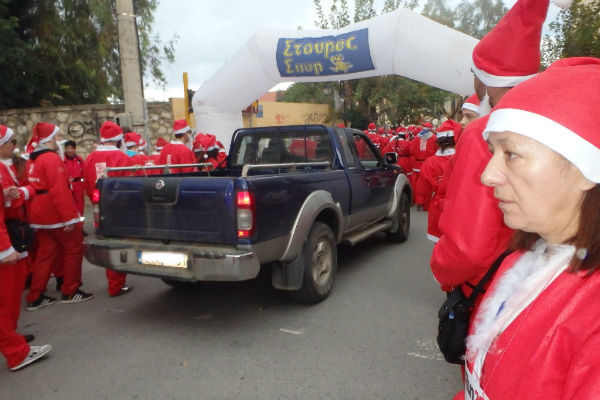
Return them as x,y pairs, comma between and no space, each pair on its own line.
82,123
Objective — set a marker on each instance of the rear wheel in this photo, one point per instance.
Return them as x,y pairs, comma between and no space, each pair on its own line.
401,222
319,260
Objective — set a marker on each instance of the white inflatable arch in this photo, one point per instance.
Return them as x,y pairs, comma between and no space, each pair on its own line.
401,43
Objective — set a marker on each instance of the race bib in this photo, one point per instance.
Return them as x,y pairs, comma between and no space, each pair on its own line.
100,167
473,390
423,145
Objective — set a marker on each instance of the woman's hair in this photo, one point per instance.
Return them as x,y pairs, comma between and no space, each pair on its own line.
586,240
445,142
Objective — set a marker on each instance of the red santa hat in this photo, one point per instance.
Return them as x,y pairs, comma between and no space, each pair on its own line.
449,128
43,132
372,126
198,144
180,127
341,125
550,110
5,134
472,103
427,125
160,143
400,129
510,53
210,142
131,139
381,130
110,132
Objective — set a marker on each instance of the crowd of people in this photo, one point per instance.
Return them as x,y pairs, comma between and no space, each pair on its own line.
41,229
520,172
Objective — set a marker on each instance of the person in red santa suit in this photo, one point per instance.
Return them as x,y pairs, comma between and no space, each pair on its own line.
13,272
432,171
399,145
423,147
58,224
178,152
75,166
373,134
469,111
222,155
473,231
536,333
384,138
107,155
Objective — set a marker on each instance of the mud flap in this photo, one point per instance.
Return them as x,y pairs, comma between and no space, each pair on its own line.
288,275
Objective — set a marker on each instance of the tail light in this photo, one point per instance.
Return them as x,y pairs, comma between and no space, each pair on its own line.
245,214
96,207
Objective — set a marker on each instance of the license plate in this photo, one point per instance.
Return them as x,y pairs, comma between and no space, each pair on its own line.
163,259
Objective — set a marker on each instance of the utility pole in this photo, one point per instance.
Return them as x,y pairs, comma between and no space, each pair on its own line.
131,71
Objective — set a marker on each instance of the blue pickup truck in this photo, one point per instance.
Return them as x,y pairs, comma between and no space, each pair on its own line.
285,199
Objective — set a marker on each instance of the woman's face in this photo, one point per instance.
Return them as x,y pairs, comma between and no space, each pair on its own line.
538,190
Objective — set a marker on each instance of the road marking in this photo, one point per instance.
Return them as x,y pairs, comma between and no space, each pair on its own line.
291,332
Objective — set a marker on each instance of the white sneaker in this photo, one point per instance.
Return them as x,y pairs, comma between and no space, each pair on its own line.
35,353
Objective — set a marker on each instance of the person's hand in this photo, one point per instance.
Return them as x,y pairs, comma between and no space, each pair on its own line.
11,193
69,228
10,259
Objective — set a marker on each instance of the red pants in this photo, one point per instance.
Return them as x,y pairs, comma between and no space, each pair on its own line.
116,280
12,280
50,243
78,190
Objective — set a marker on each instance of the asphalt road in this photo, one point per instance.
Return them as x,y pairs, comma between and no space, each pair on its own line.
373,338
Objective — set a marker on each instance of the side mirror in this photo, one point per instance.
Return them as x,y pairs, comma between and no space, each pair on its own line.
391,158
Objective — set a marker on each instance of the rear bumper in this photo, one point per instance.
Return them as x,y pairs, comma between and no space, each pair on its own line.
205,263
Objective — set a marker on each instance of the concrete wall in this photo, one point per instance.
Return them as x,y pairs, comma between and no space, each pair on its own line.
82,123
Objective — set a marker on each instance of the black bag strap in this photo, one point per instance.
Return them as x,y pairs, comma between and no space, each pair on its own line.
478,289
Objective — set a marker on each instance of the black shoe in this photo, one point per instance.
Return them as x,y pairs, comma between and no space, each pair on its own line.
29,337
124,290
76,297
41,302
59,282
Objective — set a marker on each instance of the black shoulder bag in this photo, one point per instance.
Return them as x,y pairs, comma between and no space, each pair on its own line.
20,233
454,316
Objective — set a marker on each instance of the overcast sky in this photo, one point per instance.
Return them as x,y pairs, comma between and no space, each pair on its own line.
212,31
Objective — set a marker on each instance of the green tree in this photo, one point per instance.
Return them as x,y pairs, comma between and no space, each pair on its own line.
439,11
576,33
478,17
363,9
66,52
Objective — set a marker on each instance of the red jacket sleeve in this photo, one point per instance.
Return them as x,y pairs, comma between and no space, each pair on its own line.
6,248
473,231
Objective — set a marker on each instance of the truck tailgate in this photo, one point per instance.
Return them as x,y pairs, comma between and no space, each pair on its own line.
194,209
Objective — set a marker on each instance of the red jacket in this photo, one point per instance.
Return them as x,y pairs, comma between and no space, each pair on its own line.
421,150
53,205
432,171
550,351
472,226
100,159
177,153
13,209
6,248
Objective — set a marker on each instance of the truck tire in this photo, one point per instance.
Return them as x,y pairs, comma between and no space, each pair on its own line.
401,223
319,259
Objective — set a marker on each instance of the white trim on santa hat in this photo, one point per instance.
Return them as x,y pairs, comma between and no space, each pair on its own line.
49,138
182,130
7,136
112,139
496,80
445,134
583,154
471,106
129,144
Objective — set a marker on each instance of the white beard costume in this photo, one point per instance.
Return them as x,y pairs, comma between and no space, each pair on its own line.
485,107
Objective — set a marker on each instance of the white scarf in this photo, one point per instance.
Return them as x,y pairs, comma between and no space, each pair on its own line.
515,291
